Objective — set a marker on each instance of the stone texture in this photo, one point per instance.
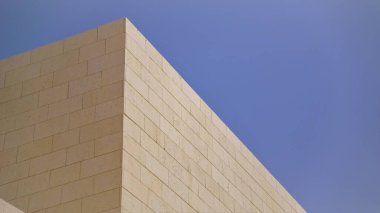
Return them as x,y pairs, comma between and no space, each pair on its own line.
101,122
8,208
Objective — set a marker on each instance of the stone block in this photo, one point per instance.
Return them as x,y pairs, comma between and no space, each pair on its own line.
92,50
171,198
66,106
103,94
65,174
101,164
112,75
10,93
47,51
47,162
106,61
109,109
151,181
66,139
157,169
14,62
178,187
19,137
20,203
22,74
84,84
79,40
20,105
108,180
37,84
78,189
134,186
111,29
101,202
115,42
132,166
8,157
72,207
8,191
51,127
101,128
108,144
80,152
35,149
130,203
71,73
60,62
33,184
82,117
52,95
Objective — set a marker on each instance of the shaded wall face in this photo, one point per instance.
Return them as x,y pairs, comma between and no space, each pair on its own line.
61,124
101,122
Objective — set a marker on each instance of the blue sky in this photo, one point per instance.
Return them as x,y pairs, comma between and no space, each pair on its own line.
297,80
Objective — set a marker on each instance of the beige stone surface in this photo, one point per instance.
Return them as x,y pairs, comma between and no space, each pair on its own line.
101,122
8,208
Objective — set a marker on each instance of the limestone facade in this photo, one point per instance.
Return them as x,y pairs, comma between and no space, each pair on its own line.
101,122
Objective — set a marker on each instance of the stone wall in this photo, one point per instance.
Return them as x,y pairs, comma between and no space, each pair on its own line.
61,124
101,122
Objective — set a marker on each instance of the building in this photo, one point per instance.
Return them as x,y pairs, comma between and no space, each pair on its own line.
101,122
